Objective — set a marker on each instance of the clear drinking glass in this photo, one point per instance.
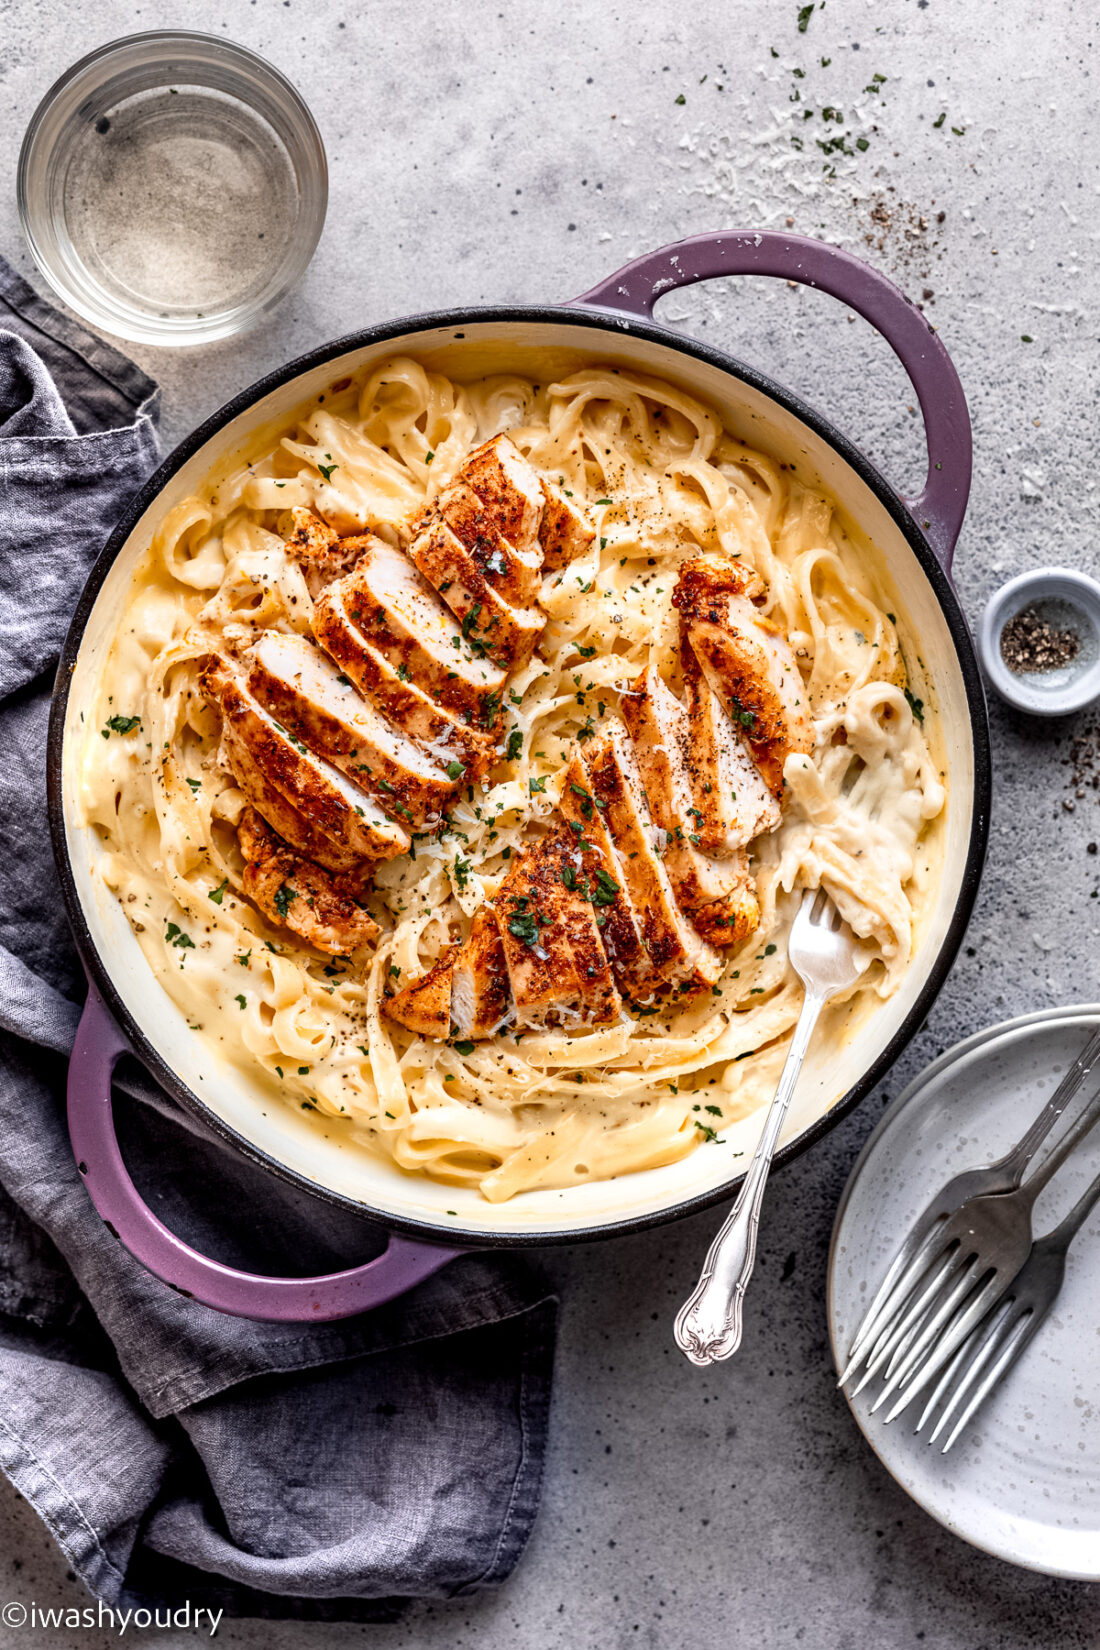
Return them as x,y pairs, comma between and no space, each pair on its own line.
172,187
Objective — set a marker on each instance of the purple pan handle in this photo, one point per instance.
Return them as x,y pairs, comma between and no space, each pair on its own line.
939,508
99,1045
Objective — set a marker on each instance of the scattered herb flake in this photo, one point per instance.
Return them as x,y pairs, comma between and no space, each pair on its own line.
121,724
284,898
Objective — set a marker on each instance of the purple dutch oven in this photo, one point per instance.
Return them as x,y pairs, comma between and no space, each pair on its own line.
912,540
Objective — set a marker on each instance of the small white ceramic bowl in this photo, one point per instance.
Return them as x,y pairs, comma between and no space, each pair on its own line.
1067,599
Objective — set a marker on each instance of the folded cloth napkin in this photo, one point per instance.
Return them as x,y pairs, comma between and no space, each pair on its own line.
321,1471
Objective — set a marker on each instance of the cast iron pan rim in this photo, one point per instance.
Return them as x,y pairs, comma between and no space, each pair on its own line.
599,321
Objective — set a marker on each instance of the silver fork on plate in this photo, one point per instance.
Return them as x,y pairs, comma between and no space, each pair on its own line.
961,1255
826,957
991,1349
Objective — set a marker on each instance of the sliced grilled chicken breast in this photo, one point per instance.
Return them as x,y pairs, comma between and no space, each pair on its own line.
301,687
510,488
301,833
748,663
637,973
514,574
443,734
291,891
323,554
480,994
320,793
399,613
557,967
507,634
675,946
425,1005
565,532
716,893
467,988
732,803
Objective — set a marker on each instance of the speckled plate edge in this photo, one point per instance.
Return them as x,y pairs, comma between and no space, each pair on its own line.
955,1055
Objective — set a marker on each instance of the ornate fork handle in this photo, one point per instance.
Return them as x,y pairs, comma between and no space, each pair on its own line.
708,1325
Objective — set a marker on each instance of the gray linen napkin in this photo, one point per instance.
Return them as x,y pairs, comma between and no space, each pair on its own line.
325,1471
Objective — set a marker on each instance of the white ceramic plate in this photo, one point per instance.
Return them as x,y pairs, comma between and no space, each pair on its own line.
1023,1482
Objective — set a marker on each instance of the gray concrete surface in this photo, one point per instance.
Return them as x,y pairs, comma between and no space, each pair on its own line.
482,153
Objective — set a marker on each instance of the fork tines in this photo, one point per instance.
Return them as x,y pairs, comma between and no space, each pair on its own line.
934,1295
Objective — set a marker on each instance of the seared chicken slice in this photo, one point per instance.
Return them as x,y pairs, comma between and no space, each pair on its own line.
480,995
425,1005
557,966
676,948
747,661
717,894
291,891
467,987
622,933
323,554
514,574
339,811
507,634
284,818
400,614
510,489
300,686
445,736
565,531
732,803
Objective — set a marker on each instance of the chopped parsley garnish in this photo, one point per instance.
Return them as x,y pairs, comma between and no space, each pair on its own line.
704,1128
344,681
242,999
515,745
428,457
586,652
463,1048
244,959
915,705
327,469
537,786
455,770
524,925
284,898
804,15
607,889
586,800
121,724
603,501
680,99
470,621
195,784
569,876
216,894
463,868
175,935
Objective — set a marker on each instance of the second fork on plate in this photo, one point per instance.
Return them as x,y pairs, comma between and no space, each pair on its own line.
961,1256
